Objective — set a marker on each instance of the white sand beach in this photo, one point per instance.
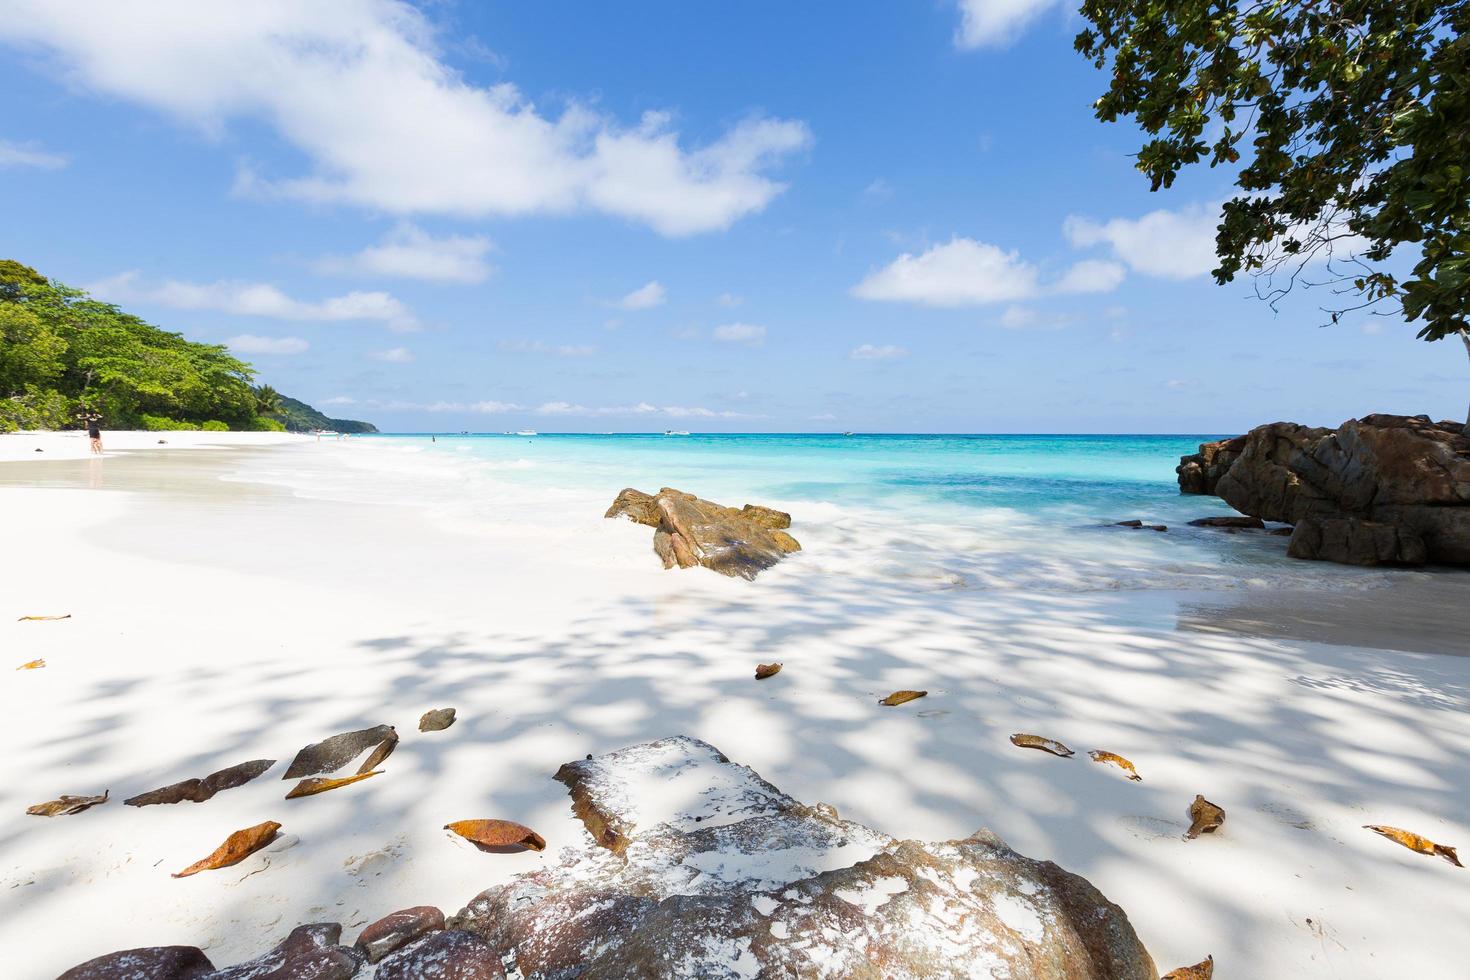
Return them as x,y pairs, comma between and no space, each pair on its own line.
217,615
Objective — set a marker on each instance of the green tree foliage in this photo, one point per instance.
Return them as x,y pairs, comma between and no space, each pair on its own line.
267,401
1348,121
62,352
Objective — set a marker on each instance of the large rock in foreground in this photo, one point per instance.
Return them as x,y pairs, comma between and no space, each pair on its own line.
1384,489
696,866
689,531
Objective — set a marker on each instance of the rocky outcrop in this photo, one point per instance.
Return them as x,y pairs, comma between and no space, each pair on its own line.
1384,489
149,963
1200,472
689,531
696,866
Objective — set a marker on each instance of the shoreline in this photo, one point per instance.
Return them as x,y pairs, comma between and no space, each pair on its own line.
216,620
16,447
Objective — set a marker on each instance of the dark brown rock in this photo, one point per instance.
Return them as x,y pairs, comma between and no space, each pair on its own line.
397,930
1198,473
452,955
436,720
690,531
1350,541
1404,472
1232,521
1138,525
148,963
724,875
199,790
308,953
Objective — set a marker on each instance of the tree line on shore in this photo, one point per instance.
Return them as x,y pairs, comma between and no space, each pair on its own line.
65,356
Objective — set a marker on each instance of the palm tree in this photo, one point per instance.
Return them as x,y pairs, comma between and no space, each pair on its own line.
267,400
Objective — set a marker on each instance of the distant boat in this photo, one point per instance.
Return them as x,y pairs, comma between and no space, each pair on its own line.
847,433
674,432
527,432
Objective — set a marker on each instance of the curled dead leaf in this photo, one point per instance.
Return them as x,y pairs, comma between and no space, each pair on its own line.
1204,818
1098,755
498,834
32,665
385,748
66,805
236,848
331,754
1203,970
199,790
42,619
762,671
1414,842
311,787
1044,744
902,697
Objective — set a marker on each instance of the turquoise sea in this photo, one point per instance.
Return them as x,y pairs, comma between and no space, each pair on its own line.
1103,476
937,512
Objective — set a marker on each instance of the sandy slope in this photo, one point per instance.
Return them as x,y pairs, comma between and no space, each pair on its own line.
75,444
215,622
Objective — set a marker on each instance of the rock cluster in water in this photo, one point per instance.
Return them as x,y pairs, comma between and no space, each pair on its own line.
695,866
1380,490
689,531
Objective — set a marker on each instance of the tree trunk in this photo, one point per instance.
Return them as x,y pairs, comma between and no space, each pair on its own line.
1466,338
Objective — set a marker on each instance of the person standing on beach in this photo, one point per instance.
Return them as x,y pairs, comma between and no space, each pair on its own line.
94,432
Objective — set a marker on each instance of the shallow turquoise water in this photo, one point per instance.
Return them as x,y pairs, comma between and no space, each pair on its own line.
1102,476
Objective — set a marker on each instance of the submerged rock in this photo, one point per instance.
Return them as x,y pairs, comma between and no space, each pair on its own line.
689,531
451,955
1232,521
696,866
1383,489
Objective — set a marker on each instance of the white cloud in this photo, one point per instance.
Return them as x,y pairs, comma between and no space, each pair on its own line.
740,333
961,272
644,297
393,355
407,252
358,88
560,408
338,400
1172,244
1091,276
729,300
878,190
996,23
249,343
868,352
28,155
255,299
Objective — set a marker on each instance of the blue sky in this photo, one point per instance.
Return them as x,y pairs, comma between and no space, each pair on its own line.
874,216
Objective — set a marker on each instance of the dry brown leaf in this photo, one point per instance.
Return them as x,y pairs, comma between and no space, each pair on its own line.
498,834
66,805
32,665
236,848
1203,970
1414,842
385,748
1098,755
199,790
311,787
762,671
902,697
1044,744
42,619
331,754
1204,818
